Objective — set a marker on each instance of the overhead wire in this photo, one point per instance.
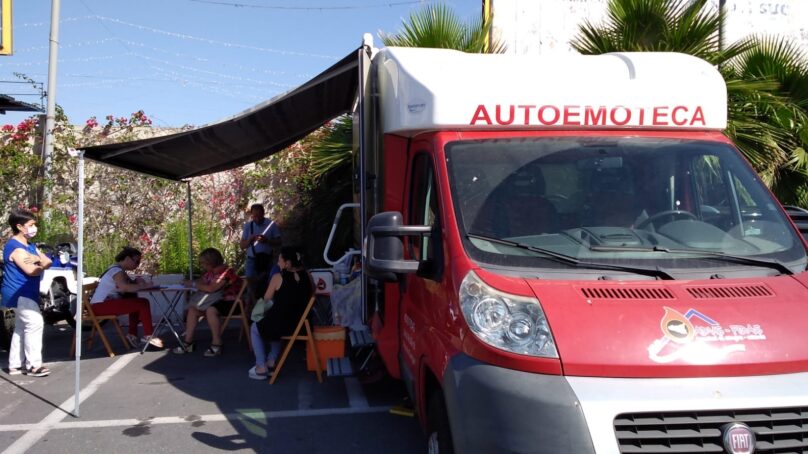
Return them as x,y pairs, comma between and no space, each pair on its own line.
311,8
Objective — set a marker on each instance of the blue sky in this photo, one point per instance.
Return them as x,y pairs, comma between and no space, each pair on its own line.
189,61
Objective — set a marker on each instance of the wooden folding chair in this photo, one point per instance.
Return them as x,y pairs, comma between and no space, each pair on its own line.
298,336
88,314
239,309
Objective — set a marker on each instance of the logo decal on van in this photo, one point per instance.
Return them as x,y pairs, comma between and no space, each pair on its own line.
689,337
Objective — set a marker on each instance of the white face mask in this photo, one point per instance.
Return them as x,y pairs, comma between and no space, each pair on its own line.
31,232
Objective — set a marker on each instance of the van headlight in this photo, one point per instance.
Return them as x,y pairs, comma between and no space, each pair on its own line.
509,322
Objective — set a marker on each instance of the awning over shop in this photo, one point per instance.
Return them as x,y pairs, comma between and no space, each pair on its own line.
247,137
9,104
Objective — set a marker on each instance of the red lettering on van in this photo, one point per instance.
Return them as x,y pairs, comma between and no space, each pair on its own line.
570,113
613,116
698,116
511,110
576,115
556,115
676,119
526,108
660,116
481,114
593,117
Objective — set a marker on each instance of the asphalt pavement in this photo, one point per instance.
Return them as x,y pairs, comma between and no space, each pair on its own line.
162,402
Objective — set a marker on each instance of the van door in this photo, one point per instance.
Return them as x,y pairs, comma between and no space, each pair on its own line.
422,300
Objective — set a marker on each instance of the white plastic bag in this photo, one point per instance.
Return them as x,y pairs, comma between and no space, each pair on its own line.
346,304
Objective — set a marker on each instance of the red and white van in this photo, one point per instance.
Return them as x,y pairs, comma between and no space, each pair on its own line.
568,256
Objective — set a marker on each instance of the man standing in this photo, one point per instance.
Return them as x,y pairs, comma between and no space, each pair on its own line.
258,238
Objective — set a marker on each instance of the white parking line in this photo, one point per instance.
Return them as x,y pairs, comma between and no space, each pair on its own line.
39,430
192,419
356,396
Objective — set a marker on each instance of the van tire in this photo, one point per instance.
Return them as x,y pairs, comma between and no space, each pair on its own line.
440,433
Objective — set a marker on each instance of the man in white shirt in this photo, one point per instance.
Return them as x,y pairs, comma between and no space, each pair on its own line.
258,237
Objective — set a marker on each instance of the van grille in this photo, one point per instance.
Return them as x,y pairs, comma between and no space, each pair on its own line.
628,293
777,430
735,291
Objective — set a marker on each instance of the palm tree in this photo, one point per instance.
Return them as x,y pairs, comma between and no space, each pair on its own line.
434,26
767,80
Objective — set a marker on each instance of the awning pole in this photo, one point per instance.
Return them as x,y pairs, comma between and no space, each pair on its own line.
190,232
79,282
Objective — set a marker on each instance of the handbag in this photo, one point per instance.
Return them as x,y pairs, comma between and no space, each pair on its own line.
260,308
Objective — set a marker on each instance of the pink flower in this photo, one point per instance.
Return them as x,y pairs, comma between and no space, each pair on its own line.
8,128
72,218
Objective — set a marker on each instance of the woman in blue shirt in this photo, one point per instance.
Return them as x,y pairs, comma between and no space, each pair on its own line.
23,265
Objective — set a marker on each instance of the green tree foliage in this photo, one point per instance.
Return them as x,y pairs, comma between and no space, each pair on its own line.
437,26
767,80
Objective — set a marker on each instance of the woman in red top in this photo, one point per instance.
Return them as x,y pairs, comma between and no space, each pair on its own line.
216,293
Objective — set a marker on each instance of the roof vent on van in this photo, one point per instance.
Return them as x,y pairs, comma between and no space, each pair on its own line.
622,293
730,291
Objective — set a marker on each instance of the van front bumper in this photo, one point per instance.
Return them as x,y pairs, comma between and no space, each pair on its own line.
492,409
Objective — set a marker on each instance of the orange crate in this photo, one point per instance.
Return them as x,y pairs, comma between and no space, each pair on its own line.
330,342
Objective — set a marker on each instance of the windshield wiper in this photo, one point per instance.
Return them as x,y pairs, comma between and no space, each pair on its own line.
572,261
714,255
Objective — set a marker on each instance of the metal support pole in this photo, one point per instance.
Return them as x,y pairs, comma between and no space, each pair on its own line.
50,113
190,231
79,282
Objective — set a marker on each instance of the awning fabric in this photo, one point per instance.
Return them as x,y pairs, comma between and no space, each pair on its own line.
9,104
247,137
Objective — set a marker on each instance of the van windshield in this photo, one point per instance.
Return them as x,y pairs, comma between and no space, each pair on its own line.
649,203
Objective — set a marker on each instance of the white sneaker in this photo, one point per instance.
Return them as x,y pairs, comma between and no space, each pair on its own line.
155,342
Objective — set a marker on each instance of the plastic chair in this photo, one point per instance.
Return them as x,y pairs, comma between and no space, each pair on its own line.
88,314
238,309
308,336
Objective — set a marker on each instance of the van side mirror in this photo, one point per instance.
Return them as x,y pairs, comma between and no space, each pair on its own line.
385,247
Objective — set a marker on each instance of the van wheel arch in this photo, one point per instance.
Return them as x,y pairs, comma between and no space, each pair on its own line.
434,415
439,431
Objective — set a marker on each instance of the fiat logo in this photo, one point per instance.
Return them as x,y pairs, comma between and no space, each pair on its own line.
738,439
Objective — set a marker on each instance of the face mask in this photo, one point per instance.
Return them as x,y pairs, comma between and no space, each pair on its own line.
31,232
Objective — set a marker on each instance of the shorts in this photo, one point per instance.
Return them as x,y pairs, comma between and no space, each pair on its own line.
223,307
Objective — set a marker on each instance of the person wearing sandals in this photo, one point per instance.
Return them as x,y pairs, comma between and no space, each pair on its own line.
289,292
23,265
215,295
116,294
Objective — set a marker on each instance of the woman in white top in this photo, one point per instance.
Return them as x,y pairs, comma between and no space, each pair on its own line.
116,294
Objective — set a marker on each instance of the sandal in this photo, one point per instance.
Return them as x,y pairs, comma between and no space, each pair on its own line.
255,375
213,350
40,371
184,347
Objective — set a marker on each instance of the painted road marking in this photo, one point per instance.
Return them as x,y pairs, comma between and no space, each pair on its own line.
356,396
40,429
253,414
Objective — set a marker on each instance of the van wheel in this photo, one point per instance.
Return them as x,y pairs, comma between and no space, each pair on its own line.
440,433
6,327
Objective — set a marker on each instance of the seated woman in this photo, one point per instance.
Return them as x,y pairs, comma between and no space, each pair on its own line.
216,293
290,291
116,294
